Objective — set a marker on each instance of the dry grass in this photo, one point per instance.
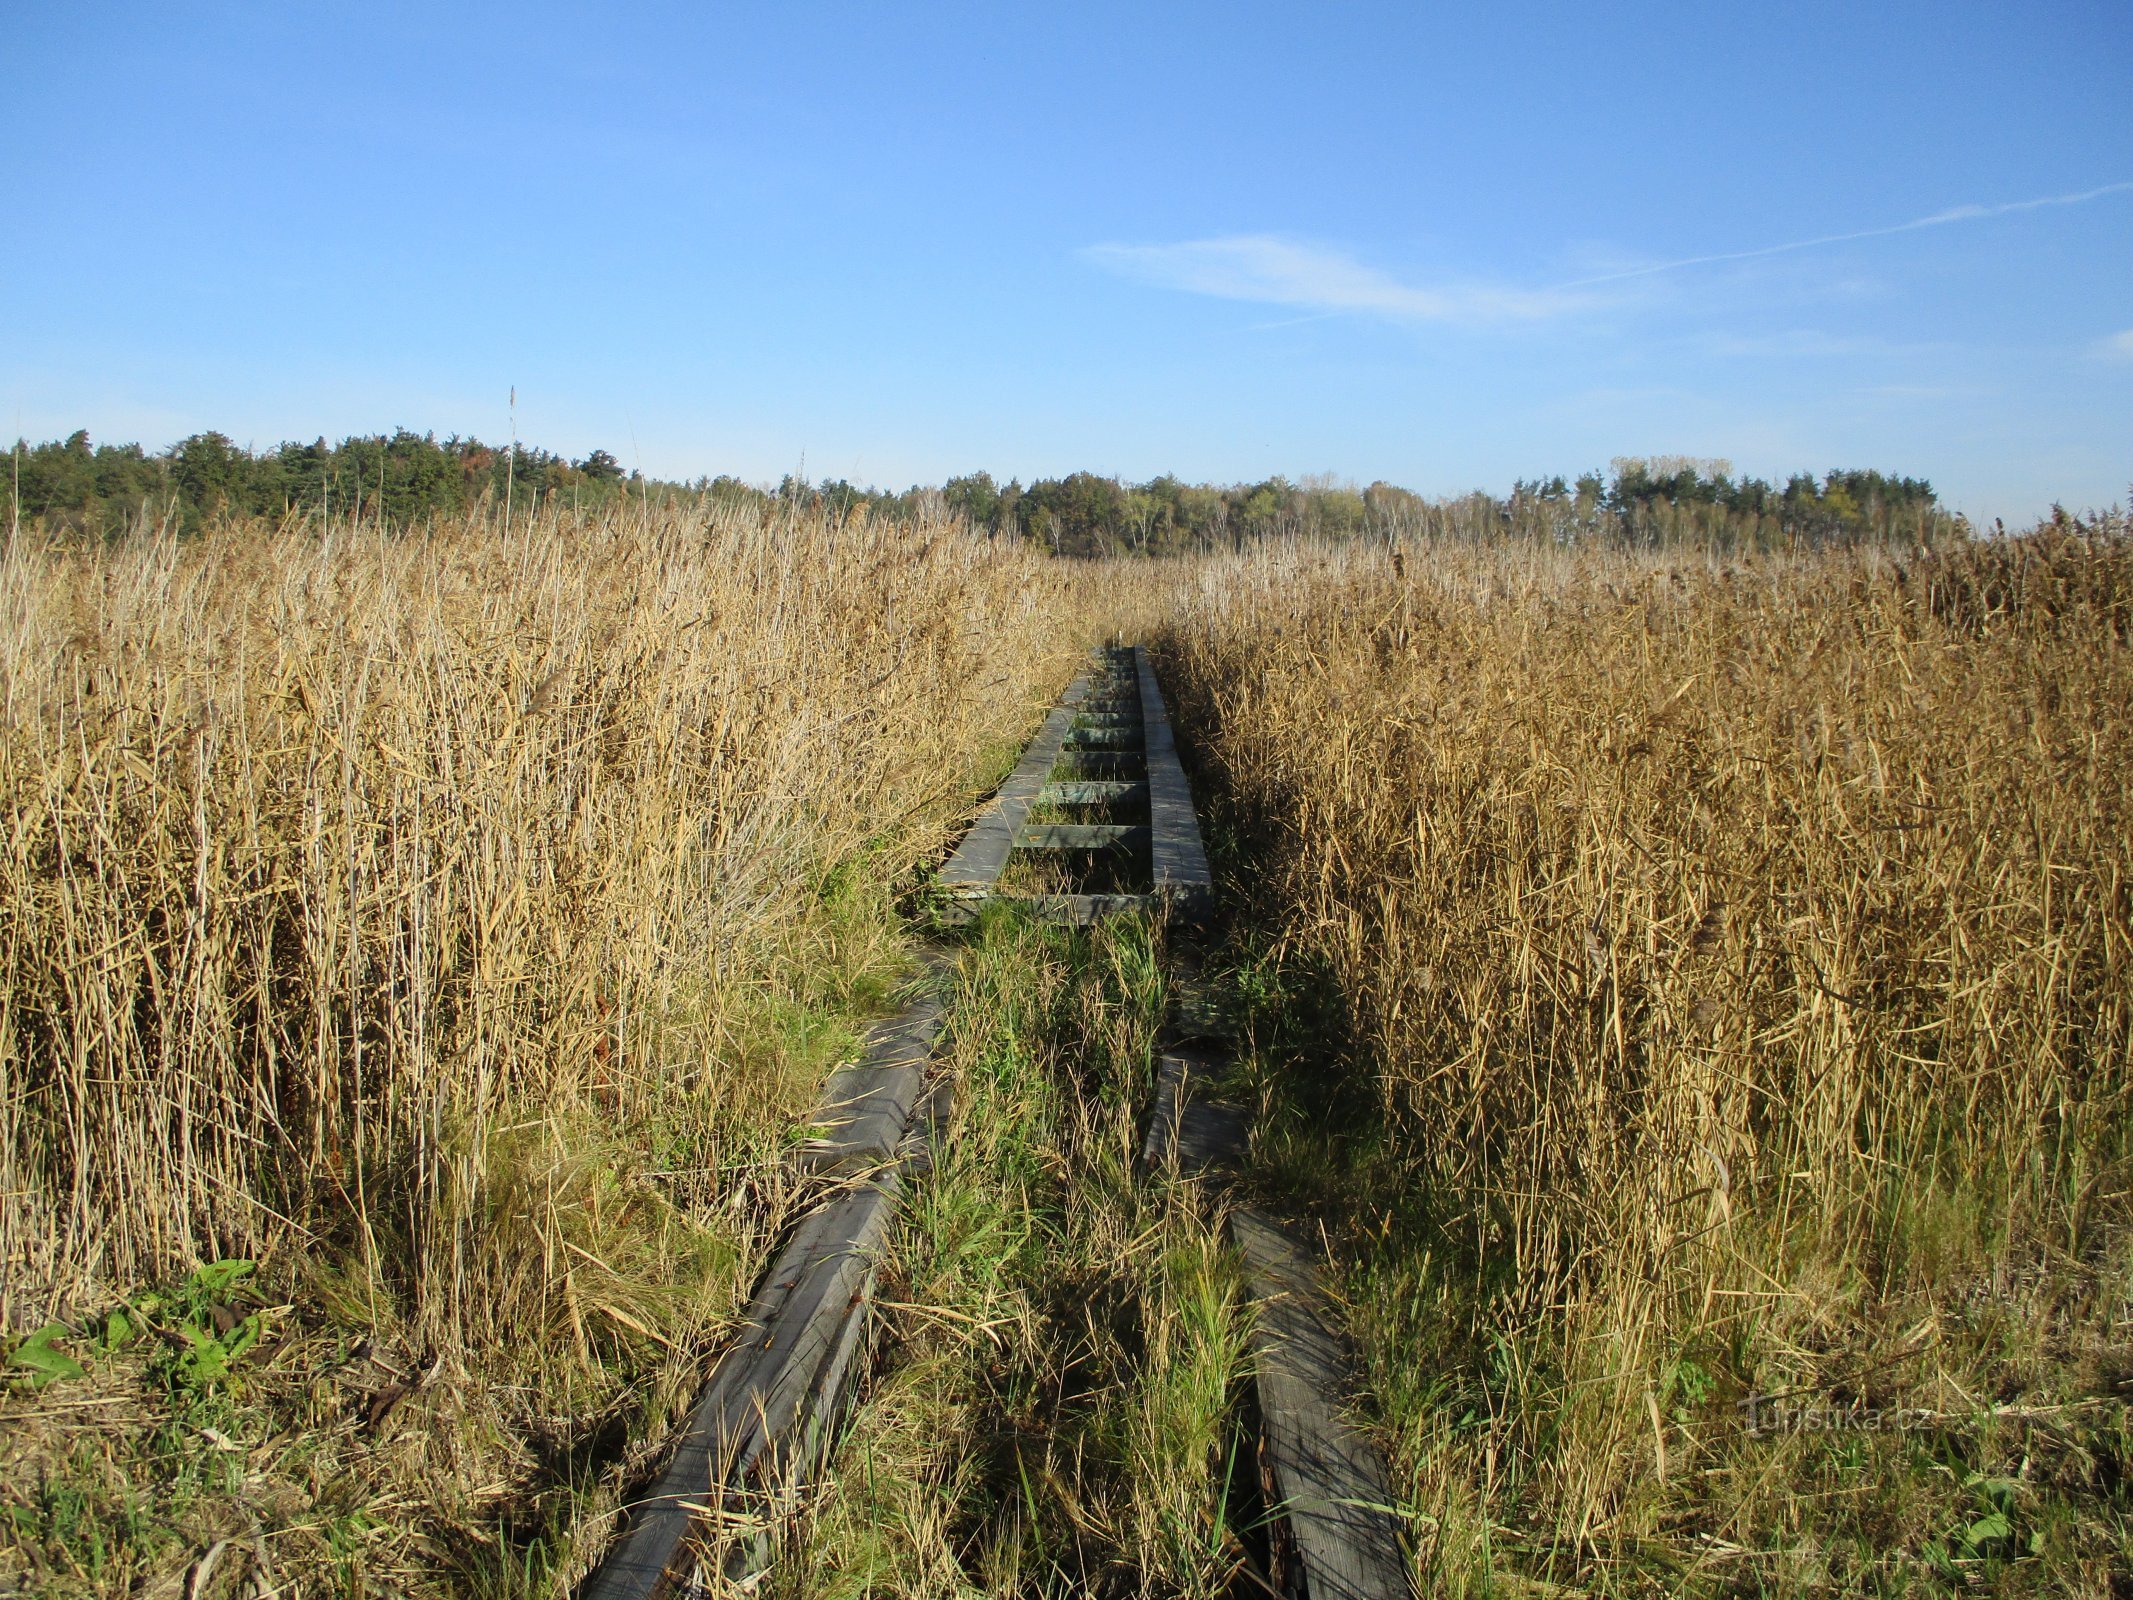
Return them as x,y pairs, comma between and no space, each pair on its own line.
1051,1407
455,926
1677,983
1730,964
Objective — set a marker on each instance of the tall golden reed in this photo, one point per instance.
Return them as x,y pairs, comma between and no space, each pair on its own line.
342,867
1739,955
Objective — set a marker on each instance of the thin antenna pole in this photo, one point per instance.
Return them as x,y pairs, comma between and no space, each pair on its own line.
644,488
511,461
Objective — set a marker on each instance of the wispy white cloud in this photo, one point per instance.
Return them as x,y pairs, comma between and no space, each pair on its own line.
1287,272
2119,346
1815,343
1923,391
1321,281
1939,219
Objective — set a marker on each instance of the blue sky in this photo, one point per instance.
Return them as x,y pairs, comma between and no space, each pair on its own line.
1442,245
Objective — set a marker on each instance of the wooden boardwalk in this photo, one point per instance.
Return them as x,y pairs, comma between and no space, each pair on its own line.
1336,1535
1324,1479
762,1426
1112,728
1177,859
979,860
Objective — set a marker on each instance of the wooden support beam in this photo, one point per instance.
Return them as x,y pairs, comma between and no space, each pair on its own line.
867,1104
1325,1479
1091,792
1084,910
1079,909
1113,763
1079,836
978,860
759,1428
1103,739
1177,859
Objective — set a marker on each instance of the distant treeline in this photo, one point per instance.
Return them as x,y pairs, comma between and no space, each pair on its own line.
398,478
1659,501
402,478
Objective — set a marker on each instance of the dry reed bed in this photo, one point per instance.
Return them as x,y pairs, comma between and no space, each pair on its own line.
452,922
1737,960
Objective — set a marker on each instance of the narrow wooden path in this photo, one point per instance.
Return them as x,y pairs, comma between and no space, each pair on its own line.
1113,730
1115,819
1324,1478
761,1427
1336,1535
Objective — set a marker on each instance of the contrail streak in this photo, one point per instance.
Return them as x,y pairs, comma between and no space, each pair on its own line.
1939,219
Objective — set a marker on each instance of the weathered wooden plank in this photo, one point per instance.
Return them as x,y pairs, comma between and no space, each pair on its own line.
929,1126
753,1434
1177,859
777,1413
1161,1142
978,860
1106,763
1083,910
800,1413
1103,739
1080,836
1325,1478
1183,1128
1091,792
1212,1133
761,1422
1078,909
866,1104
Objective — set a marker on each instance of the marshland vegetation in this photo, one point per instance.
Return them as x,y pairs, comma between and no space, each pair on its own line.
1702,992
1685,971
453,926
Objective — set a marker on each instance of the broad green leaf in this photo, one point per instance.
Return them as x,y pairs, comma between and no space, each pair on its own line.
219,1275
117,1332
1992,1526
36,1356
